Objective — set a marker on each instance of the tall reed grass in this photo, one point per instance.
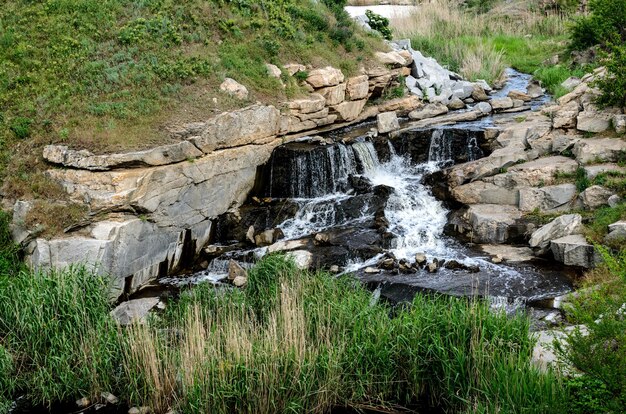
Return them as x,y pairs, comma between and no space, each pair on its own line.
292,341
472,43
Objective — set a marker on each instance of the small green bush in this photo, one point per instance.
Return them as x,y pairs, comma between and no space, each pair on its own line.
613,86
605,23
379,23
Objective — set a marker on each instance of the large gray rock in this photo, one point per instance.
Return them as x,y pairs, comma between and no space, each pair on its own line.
242,127
480,192
561,226
593,121
540,172
429,111
574,250
491,223
134,311
594,150
349,110
323,77
595,196
129,250
181,194
83,159
562,143
565,117
617,234
387,122
548,199
334,95
357,88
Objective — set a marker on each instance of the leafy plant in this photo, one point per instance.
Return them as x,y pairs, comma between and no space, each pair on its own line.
379,23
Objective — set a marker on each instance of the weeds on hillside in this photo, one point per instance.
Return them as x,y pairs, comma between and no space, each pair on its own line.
108,74
600,355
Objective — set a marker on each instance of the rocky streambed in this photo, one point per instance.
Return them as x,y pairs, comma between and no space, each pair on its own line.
356,201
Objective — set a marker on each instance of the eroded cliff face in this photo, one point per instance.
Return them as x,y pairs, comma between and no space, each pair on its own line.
152,211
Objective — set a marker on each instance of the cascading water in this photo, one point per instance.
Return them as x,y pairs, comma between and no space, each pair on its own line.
303,171
366,156
322,212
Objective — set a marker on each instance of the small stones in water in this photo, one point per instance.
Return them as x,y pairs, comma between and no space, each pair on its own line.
371,270
456,265
388,264
497,259
322,239
83,402
334,269
432,267
420,259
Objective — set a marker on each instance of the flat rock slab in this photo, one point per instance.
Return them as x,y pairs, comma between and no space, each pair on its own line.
544,355
594,170
134,311
592,150
492,223
510,254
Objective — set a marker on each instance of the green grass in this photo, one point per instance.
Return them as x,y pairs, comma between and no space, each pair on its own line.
600,356
109,74
292,341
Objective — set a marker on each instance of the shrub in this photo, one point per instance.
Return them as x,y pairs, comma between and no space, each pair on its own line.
379,23
605,23
21,127
613,86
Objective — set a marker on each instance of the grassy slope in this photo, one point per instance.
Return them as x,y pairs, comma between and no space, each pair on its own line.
111,74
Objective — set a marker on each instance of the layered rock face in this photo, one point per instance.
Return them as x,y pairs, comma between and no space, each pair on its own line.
152,211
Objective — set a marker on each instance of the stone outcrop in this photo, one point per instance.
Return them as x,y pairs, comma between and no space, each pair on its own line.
593,150
595,196
574,250
324,77
562,226
83,159
152,211
490,223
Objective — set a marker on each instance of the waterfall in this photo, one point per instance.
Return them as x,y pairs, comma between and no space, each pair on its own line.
366,156
440,149
313,215
415,216
305,171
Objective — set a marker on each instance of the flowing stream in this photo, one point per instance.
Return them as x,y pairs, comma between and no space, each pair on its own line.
320,183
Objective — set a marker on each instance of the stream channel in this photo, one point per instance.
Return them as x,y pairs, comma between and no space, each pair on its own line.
350,200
